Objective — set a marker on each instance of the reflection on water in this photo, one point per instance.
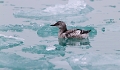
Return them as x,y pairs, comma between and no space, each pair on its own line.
75,42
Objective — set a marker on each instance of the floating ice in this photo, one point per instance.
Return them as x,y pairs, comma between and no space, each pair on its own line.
11,37
9,41
73,6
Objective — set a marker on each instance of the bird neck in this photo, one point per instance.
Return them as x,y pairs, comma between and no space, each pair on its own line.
62,30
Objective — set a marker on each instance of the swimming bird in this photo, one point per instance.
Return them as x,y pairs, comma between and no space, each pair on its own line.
73,33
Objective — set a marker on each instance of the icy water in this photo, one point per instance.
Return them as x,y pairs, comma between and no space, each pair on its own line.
28,42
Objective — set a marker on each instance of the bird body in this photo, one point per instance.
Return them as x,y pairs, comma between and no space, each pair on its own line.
73,33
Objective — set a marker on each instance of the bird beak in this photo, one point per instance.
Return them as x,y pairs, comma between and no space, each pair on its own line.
52,25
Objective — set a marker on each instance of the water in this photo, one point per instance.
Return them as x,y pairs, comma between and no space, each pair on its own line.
27,42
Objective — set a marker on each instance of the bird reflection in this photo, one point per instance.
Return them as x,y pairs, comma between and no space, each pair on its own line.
83,43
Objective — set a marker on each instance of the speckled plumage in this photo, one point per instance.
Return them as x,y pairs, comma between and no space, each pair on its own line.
73,33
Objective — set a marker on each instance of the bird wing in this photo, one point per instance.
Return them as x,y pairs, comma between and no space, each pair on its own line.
72,33
76,33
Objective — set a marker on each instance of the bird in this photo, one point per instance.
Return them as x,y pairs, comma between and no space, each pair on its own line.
72,33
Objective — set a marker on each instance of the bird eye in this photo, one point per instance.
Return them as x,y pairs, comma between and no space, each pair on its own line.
57,23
